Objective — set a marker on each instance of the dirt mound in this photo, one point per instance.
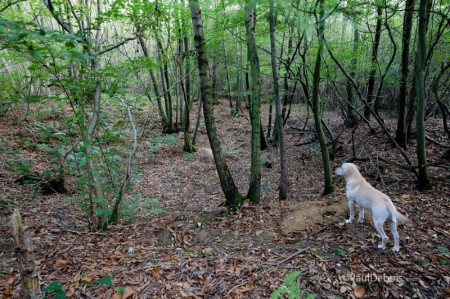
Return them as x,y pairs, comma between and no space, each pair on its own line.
311,215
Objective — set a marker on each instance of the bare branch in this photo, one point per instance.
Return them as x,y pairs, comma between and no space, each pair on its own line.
380,122
117,45
10,4
56,16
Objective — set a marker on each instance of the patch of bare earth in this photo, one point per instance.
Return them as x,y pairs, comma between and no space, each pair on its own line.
195,250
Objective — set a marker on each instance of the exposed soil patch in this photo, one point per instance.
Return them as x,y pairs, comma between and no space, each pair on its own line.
312,215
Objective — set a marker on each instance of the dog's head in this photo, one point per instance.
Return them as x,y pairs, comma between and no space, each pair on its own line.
346,170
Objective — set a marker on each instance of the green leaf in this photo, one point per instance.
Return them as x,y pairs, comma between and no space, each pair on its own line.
22,35
106,280
442,250
96,200
60,295
69,44
53,287
289,287
341,252
100,211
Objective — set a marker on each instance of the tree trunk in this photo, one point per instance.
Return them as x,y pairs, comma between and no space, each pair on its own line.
373,65
25,257
316,104
164,69
214,83
184,84
232,195
351,119
254,191
401,133
161,110
283,186
115,213
227,72
285,80
424,182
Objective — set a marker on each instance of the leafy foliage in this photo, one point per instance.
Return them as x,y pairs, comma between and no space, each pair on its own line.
290,288
54,291
106,280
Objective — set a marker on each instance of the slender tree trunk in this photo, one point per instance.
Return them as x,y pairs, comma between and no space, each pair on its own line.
97,203
269,123
373,65
214,82
401,132
232,195
285,79
316,104
283,186
115,213
187,66
239,79
227,72
352,120
254,192
424,182
186,87
248,102
412,92
442,106
161,110
165,81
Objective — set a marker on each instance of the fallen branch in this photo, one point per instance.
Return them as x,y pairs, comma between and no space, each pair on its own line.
292,255
283,260
62,228
436,142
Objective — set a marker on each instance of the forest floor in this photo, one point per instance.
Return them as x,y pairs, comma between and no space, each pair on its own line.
176,241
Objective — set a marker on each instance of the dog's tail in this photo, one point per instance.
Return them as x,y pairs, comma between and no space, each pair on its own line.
401,217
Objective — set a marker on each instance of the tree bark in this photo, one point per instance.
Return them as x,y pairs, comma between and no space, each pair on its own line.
283,186
232,195
316,104
424,182
254,191
351,119
401,132
373,66
25,257
164,69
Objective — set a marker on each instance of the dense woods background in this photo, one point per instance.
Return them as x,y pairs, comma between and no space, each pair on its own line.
102,100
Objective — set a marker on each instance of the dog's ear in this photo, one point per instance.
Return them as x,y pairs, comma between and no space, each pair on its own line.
355,168
351,168
346,167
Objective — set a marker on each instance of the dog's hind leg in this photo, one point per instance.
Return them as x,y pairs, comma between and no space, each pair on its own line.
393,226
361,215
379,227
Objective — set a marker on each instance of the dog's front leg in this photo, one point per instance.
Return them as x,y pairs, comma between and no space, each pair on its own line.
361,215
352,213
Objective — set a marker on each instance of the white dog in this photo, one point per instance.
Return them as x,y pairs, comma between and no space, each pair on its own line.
361,193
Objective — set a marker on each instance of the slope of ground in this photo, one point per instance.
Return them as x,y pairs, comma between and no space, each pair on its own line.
192,249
